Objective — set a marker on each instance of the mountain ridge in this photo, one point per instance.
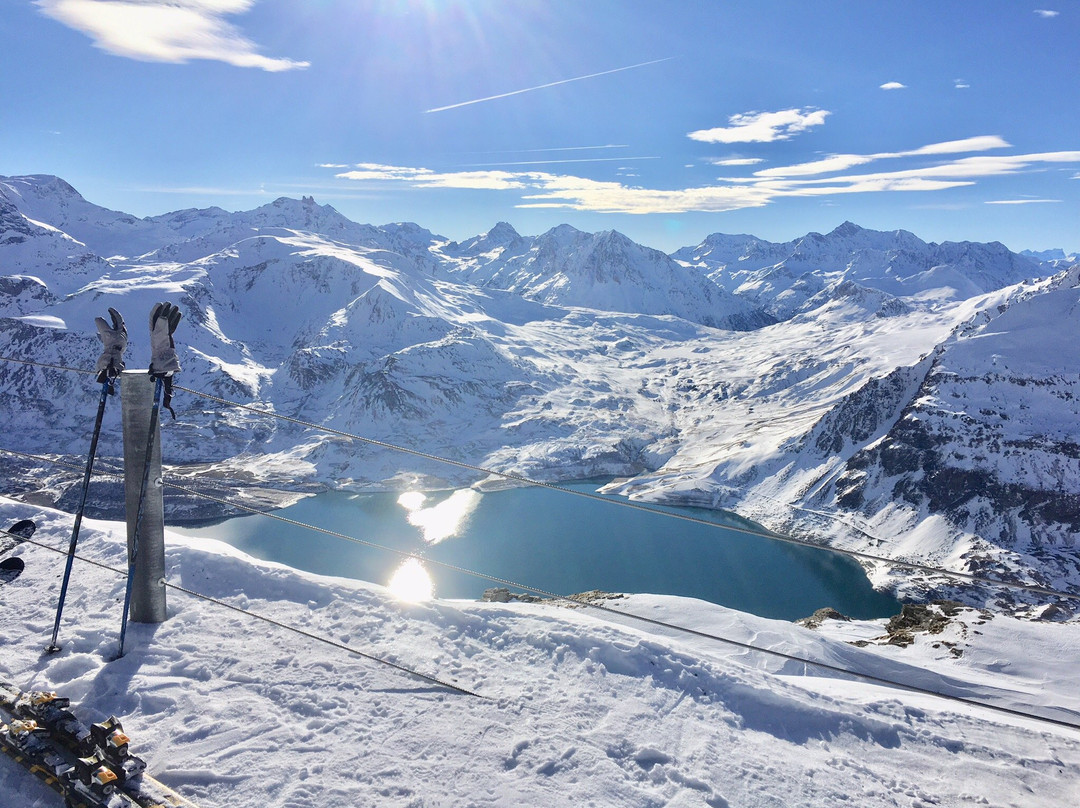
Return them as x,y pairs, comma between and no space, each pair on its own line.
780,388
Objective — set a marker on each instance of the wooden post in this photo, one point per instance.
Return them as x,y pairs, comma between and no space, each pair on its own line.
148,587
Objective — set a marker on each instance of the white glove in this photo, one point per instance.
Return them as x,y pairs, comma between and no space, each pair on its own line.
114,338
164,318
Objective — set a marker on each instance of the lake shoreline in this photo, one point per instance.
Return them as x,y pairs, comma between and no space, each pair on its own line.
559,544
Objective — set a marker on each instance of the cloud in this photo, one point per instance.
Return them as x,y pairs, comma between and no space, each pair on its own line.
762,127
967,144
842,162
546,190
541,189
426,178
1046,13
202,190
736,161
893,85
827,165
165,30
549,84
563,160
960,84
1019,201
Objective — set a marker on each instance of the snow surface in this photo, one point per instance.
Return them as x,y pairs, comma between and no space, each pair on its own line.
579,707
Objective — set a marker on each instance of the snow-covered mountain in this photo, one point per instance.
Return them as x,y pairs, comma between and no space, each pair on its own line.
865,387
1051,256
607,271
989,440
782,277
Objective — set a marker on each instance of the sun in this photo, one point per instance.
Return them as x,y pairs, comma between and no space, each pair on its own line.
411,582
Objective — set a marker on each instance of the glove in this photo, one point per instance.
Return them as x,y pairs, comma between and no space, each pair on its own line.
114,338
164,318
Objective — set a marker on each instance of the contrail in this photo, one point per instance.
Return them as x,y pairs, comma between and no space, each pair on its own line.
545,86
547,162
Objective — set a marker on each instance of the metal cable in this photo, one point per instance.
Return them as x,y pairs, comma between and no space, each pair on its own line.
626,503
869,677
45,365
495,579
264,618
622,503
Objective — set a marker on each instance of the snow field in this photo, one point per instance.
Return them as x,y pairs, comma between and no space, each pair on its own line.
581,708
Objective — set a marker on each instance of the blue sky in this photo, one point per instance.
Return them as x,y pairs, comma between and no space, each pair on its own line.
665,120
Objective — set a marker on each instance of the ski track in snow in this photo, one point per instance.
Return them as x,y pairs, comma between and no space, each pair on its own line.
580,710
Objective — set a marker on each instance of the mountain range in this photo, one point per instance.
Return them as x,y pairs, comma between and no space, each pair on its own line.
861,388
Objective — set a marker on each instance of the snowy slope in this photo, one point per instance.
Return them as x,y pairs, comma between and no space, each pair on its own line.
579,707
989,441
563,356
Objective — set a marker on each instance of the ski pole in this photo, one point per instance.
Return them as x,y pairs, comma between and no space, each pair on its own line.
154,415
106,387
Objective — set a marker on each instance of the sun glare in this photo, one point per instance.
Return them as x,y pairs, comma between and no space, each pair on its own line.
411,582
411,500
440,521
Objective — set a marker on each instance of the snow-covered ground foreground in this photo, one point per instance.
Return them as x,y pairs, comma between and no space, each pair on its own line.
580,707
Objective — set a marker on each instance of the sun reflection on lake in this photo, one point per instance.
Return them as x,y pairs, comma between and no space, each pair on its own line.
411,500
411,582
440,521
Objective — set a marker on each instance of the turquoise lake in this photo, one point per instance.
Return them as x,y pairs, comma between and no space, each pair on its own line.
556,542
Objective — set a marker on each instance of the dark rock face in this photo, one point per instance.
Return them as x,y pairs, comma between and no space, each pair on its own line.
820,616
865,413
924,454
917,618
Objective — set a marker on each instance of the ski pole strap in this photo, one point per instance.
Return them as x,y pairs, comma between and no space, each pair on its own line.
167,382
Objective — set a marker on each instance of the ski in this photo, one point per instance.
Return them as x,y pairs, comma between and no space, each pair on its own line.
106,389
16,535
155,412
90,766
10,569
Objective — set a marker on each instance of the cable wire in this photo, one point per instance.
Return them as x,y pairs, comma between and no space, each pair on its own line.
45,365
637,506
264,618
495,579
623,503
862,556
869,677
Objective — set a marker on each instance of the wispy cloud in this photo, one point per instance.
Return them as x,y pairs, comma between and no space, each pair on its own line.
426,178
893,85
960,84
842,162
1046,13
166,30
736,161
1019,201
562,160
203,190
541,189
559,149
762,127
545,86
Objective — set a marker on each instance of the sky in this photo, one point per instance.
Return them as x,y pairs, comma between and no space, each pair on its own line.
954,119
